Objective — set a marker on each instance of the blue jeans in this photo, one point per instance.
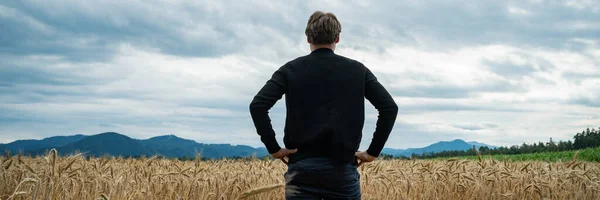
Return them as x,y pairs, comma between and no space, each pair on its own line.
321,178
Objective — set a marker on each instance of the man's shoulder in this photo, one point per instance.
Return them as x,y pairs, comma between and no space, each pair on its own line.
297,60
305,58
350,60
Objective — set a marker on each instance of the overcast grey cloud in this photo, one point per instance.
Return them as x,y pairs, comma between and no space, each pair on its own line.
498,72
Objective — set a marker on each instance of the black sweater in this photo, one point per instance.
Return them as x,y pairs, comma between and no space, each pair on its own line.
324,96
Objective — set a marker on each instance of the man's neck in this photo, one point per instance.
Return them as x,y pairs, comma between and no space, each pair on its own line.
319,46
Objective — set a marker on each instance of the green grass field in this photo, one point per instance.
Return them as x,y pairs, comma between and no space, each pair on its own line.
589,154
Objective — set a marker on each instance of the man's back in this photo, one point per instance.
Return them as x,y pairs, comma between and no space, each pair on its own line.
325,96
325,105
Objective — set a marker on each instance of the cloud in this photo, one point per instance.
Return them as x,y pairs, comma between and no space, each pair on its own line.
518,11
474,127
496,72
86,30
586,102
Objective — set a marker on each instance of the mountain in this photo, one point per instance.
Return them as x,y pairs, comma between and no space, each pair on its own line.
115,144
477,144
109,143
436,147
173,146
30,145
227,150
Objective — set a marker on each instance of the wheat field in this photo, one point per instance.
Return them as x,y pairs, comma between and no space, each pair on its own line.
76,177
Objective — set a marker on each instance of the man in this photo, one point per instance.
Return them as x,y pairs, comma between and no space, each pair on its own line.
324,96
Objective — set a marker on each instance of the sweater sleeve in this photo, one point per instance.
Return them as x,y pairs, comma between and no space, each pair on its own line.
270,93
387,108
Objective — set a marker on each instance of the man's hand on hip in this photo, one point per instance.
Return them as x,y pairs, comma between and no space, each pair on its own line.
282,153
364,157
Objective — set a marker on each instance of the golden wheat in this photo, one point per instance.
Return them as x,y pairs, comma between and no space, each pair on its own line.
76,177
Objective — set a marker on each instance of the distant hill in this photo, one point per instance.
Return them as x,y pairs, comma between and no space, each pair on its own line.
173,146
477,144
108,143
115,144
31,145
436,147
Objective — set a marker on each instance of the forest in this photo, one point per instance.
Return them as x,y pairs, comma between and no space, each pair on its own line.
587,138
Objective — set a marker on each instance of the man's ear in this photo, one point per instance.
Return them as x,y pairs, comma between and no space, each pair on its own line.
307,40
337,39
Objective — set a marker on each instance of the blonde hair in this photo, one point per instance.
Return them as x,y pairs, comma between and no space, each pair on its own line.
323,28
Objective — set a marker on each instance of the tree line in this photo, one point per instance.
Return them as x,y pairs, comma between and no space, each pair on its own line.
586,139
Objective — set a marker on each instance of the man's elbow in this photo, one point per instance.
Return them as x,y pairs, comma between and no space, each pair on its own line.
393,109
253,107
256,107
390,107
389,111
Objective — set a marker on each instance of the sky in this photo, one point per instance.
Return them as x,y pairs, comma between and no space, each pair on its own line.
497,72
